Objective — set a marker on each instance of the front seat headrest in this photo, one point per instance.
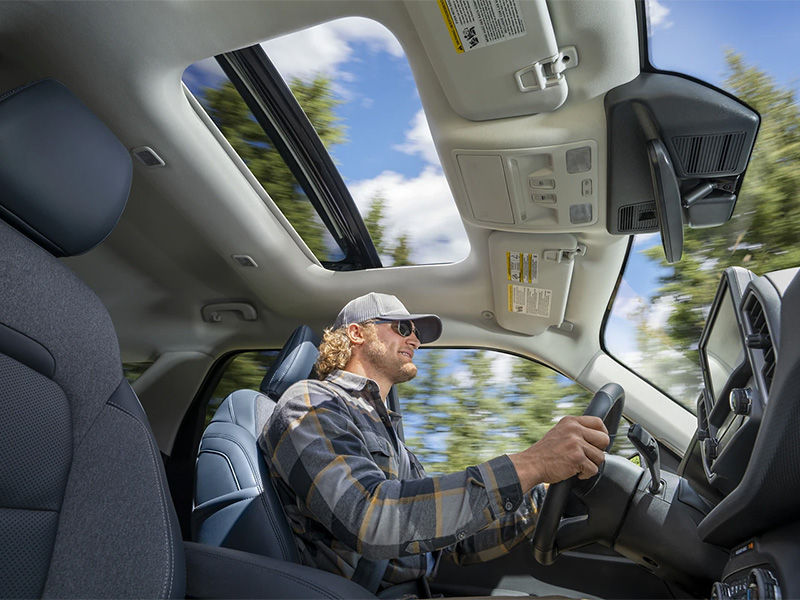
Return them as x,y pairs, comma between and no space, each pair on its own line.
64,176
293,363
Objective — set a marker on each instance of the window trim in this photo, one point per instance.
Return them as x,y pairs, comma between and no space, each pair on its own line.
283,120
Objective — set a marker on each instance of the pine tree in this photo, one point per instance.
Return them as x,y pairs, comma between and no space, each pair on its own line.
234,119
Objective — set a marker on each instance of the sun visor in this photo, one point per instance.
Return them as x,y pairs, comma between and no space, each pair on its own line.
494,58
531,275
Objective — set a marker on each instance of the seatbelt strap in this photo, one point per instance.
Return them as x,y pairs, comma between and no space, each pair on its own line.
369,573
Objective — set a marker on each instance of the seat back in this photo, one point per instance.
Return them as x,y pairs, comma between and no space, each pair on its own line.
85,506
235,503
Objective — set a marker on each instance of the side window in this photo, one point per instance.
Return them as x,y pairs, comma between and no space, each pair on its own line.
466,406
245,371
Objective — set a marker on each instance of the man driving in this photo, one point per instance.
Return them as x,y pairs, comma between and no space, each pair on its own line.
358,500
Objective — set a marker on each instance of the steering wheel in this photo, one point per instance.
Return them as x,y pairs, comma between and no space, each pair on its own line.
607,404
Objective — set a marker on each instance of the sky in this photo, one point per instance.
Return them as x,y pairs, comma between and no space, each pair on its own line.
389,149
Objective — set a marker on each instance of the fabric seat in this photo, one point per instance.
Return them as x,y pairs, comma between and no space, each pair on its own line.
235,504
84,506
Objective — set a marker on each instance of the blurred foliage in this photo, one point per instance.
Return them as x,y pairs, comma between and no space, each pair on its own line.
233,117
461,410
398,251
133,370
245,371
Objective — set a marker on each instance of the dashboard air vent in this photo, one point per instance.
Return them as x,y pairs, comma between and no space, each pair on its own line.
709,154
759,336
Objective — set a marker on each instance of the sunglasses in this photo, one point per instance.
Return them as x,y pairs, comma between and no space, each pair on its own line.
402,328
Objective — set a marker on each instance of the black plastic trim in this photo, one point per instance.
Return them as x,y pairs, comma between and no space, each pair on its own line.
277,111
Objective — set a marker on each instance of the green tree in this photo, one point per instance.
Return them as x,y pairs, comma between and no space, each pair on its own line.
234,119
476,415
540,399
398,251
422,399
401,253
374,222
245,371
765,228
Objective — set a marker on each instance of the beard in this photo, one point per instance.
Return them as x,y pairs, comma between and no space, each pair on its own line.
393,366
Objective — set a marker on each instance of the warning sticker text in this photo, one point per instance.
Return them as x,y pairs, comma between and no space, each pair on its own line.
474,24
529,300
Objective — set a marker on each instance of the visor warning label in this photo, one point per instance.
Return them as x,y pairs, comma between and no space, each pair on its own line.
474,24
529,300
522,267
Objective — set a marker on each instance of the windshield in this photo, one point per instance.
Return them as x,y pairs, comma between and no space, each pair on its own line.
747,49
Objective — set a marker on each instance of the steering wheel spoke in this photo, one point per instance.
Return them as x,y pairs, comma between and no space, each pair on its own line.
607,404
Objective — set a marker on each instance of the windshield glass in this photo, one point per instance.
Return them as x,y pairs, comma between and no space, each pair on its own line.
747,49
353,80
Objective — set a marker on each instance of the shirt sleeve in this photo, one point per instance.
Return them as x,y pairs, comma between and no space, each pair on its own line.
315,446
503,534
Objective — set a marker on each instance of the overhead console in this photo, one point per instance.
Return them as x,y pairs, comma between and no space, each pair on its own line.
677,152
550,188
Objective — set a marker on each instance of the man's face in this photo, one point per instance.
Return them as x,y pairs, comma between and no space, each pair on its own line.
390,353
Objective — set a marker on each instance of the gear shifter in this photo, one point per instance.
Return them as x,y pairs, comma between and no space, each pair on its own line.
648,450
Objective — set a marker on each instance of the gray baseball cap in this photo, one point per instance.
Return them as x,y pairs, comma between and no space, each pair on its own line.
385,306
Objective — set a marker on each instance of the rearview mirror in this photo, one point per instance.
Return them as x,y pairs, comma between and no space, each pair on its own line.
667,195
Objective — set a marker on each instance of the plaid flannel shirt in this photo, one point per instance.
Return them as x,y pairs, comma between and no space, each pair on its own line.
351,488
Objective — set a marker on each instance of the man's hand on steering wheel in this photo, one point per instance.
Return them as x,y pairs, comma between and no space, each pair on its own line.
573,447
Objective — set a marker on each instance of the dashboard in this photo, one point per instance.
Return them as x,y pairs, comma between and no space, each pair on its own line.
748,434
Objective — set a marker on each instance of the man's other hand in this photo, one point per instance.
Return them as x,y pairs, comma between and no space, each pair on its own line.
574,446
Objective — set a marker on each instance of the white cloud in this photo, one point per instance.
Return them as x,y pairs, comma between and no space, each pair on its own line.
419,140
633,307
659,311
463,376
501,367
323,48
657,15
366,30
421,207
628,303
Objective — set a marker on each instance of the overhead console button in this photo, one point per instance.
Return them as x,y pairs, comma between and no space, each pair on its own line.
579,160
540,182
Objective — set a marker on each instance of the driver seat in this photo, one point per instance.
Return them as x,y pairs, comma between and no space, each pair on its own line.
235,504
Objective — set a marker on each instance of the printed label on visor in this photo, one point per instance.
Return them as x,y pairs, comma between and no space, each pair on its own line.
529,300
474,24
522,267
